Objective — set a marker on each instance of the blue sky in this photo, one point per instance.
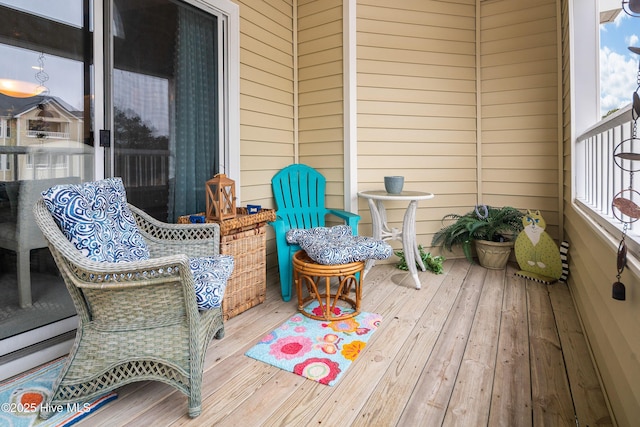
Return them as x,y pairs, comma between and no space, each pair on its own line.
618,65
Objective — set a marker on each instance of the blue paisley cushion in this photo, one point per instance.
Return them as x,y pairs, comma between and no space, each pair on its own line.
327,246
95,217
294,235
210,275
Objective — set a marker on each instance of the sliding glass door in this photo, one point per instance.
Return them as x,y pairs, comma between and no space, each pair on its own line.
165,104
92,89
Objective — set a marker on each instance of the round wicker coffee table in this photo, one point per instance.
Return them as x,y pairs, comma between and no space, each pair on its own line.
315,276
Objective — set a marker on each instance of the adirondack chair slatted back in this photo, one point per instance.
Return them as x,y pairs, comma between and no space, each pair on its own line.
299,192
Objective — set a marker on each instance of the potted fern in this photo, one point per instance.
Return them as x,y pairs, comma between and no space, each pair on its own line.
493,230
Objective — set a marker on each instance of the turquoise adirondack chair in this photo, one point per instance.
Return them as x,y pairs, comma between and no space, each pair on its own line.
299,191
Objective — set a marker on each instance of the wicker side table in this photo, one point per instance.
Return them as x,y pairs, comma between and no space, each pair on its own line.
244,237
312,274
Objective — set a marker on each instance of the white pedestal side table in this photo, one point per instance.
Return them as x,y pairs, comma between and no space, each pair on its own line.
407,235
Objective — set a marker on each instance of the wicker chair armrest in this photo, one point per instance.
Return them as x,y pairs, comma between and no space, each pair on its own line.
93,274
167,239
144,276
135,295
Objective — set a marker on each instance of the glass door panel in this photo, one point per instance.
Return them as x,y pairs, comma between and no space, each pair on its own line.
45,139
165,104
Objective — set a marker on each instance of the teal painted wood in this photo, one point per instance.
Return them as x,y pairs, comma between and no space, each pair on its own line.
299,191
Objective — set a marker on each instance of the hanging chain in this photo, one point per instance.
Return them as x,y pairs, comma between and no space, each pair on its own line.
622,251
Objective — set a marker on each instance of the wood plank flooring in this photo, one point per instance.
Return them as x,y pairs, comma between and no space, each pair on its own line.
473,347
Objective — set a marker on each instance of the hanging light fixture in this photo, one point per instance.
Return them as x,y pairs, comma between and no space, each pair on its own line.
18,88
631,7
22,89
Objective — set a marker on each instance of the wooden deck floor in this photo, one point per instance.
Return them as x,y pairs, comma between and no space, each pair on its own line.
473,347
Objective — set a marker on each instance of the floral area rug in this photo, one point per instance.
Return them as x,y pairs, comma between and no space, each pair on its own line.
21,398
319,350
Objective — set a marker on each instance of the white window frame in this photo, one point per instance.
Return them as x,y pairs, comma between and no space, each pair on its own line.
228,14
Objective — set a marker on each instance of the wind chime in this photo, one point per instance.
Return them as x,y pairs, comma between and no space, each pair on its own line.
623,206
42,77
631,7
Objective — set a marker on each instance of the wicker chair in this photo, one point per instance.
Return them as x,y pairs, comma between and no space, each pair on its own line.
137,320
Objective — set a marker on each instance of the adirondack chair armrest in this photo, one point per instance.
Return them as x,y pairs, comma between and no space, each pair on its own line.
349,218
280,228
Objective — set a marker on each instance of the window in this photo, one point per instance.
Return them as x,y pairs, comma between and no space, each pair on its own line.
600,177
618,65
40,160
59,161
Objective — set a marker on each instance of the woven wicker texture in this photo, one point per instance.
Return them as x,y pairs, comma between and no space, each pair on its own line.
316,278
138,321
244,237
247,286
242,222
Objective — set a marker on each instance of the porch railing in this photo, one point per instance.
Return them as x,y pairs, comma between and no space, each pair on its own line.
48,134
145,173
142,167
50,162
600,176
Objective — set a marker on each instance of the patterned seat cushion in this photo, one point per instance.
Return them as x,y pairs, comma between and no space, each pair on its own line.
95,217
294,235
337,245
210,275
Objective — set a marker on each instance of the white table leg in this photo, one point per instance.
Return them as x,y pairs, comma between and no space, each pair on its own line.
381,231
376,225
409,245
407,234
